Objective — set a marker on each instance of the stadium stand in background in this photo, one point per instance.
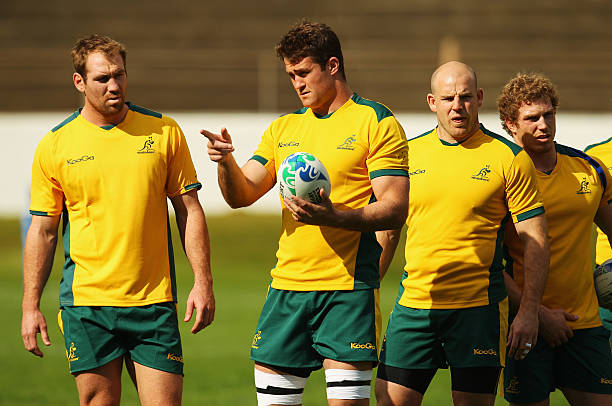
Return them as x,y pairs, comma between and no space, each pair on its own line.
217,55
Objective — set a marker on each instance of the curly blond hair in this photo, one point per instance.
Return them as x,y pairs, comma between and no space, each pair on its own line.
524,88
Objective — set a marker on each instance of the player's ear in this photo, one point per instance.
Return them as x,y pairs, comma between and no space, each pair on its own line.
79,82
333,65
431,101
511,126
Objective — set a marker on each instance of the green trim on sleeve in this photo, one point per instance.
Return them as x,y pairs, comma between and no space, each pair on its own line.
599,143
260,159
196,186
529,214
388,172
38,213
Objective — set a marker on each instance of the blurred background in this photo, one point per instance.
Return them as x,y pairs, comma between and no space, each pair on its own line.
217,55
210,64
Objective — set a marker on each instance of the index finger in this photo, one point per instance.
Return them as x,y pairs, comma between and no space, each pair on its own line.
212,137
30,344
199,321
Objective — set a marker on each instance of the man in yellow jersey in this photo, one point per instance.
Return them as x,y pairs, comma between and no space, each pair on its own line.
465,184
603,151
321,308
573,353
107,171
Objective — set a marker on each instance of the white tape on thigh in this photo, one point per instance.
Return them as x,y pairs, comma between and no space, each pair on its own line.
273,389
348,383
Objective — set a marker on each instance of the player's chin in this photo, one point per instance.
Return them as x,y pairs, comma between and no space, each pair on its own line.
114,106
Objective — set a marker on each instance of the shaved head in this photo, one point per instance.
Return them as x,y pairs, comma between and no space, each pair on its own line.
455,98
450,71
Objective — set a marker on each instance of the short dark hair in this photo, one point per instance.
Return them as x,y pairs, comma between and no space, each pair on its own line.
95,43
309,39
524,88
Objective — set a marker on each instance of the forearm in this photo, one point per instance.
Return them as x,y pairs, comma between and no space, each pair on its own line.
379,215
37,264
196,242
536,260
388,240
235,187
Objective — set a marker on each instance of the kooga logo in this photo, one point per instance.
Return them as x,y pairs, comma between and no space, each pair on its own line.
84,158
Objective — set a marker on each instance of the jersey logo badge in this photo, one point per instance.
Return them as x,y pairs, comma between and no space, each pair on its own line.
256,338
483,174
71,355
584,187
348,143
147,147
513,386
416,172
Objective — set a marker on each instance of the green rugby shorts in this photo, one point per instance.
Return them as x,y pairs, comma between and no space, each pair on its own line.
437,338
584,363
96,335
300,329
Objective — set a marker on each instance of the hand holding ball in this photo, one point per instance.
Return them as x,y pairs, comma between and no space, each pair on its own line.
301,174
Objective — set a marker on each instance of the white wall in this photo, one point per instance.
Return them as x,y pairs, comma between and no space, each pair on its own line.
22,131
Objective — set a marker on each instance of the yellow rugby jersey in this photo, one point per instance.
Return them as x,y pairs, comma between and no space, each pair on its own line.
358,142
573,192
110,184
460,197
602,151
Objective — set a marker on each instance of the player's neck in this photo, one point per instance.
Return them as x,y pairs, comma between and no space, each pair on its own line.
458,139
92,115
544,161
342,93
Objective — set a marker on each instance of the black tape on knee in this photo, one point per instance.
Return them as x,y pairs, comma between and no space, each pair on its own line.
416,379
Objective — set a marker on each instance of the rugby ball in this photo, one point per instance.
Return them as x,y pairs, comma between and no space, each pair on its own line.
603,284
301,174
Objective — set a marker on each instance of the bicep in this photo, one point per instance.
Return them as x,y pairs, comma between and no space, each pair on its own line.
185,202
394,188
532,228
257,177
45,224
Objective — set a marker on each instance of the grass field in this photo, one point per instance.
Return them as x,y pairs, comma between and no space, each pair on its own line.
217,368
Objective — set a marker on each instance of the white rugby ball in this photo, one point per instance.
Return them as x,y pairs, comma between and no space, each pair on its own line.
301,174
603,284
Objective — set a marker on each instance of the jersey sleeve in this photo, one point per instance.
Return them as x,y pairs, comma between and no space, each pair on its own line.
388,153
264,154
523,194
46,194
181,175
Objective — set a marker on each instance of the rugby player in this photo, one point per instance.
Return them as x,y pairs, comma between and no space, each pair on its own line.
452,307
573,353
107,171
322,308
